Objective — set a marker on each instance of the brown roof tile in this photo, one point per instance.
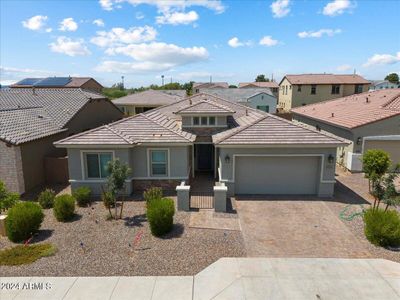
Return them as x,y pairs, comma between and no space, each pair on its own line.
270,84
326,79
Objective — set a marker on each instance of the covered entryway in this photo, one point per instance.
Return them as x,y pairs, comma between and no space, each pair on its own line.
289,175
204,157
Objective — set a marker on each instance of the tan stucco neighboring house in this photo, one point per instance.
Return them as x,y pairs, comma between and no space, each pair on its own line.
304,89
32,119
370,120
244,149
143,101
86,83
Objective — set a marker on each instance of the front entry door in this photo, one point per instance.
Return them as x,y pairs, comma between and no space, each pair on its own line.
204,156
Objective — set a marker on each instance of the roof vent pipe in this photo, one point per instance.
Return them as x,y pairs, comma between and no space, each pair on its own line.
366,100
333,115
190,101
33,91
247,112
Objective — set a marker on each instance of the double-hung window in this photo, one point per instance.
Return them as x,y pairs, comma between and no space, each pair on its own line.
313,89
335,89
263,107
159,163
358,88
96,164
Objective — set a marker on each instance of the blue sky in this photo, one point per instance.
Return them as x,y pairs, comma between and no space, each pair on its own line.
190,40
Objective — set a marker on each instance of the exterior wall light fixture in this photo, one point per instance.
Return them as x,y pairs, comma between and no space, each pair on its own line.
330,159
227,159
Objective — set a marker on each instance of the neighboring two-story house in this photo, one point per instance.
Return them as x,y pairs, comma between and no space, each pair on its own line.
304,89
32,119
248,150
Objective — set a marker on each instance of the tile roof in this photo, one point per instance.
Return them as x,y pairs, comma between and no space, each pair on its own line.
325,79
238,95
27,114
205,107
356,110
71,82
147,98
269,84
163,125
210,85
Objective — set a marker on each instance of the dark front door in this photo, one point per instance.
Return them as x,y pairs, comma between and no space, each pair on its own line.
204,156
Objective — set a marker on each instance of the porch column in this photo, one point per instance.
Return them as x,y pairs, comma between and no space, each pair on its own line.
183,196
220,192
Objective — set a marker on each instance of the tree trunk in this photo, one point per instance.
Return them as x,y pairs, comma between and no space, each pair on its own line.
116,208
122,207
387,206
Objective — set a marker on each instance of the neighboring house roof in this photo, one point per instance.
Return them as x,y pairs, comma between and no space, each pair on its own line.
163,125
238,95
210,85
54,82
27,114
180,93
147,98
270,84
205,107
325,79
355,110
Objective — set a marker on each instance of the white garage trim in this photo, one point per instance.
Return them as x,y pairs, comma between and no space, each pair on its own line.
280,155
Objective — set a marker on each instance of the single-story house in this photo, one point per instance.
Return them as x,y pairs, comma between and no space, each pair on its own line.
368,120
274,86
259,98
197,86
143,101
250,151
383,84
32,119
86,83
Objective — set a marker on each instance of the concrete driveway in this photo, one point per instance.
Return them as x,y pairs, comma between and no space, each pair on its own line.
295,228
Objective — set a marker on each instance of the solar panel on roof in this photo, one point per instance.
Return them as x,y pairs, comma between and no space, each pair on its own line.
53,81
28,81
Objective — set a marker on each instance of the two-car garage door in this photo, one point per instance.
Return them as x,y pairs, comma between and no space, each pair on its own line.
284,175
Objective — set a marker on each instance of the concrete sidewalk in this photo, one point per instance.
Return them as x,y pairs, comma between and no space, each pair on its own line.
228,278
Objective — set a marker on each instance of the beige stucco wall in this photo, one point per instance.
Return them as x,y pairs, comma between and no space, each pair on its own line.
296,98
390,146
11,168
92,85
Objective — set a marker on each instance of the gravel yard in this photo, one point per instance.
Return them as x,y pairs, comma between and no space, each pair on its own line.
185,251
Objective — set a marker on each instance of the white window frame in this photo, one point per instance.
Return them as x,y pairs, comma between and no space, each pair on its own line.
149,163
84,163
208,122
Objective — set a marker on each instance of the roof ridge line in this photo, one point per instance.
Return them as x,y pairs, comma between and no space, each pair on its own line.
390,101
243,128
120,134
169,129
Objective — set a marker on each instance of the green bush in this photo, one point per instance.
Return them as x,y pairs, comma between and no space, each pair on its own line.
382,228
64,208
160,214
82,196
108,200
154,193
23,220
7,199
46,198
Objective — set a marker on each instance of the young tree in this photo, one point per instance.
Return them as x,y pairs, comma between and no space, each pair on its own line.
118,174
375,164
390,196
261,78
392,77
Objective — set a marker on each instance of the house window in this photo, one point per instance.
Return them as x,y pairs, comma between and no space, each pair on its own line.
203,120
286,90
211,121
96,164
159,162
335,89
358,88
263,108
299,88
196,121
313,89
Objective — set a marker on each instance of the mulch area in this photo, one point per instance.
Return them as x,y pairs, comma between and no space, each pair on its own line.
106,250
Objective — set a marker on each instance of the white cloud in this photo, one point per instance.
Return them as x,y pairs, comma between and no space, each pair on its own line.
235,43
139,15
337,7
68,24
177,18
10,75
152,57
343,68
99,22
268,41
48,30
382,59
280,8
119,36
168,5
69,46
319,33
35,23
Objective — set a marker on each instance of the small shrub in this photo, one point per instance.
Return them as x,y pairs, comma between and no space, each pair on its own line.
152,193
46,198
23,220
108,200
160,214
7,199
21,255
382,228
82,196
64,208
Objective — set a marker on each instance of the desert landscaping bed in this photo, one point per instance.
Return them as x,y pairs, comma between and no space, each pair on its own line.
92,246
